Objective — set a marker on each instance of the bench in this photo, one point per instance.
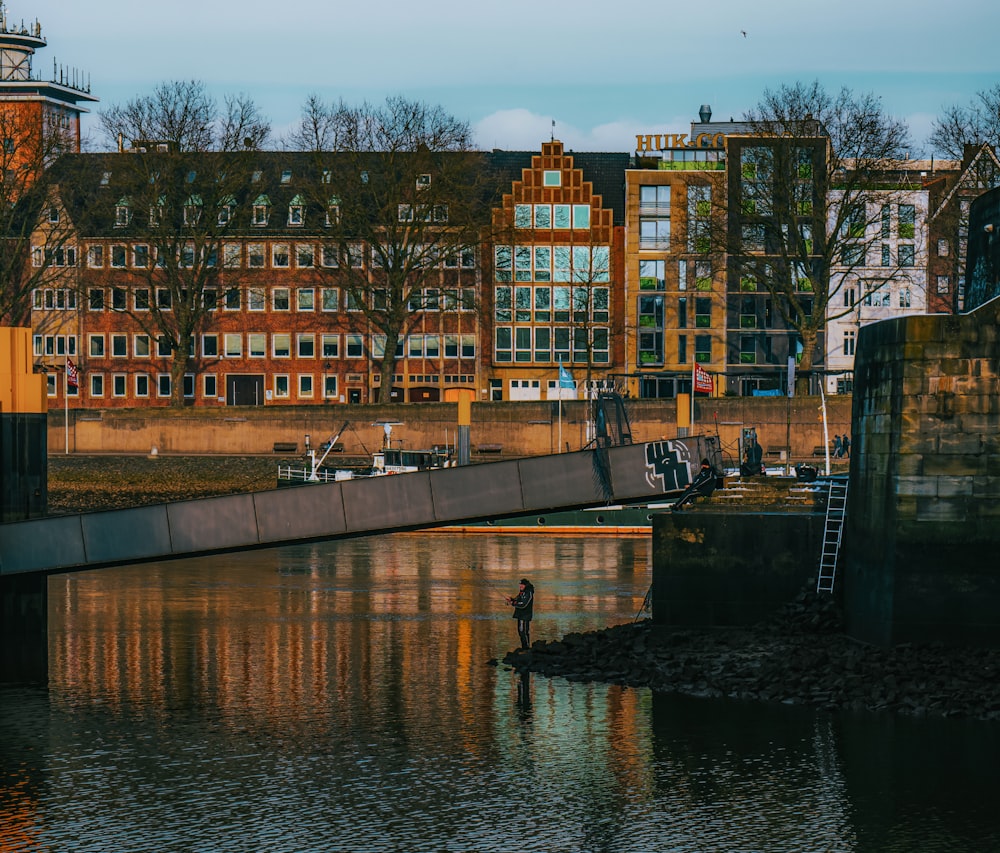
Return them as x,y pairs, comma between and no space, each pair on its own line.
285,447
820,450
776,452
489,448
337,448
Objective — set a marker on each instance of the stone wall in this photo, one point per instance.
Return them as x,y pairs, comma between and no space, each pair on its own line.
923,518
722,567
517,428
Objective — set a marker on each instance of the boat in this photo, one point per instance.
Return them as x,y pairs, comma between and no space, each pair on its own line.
383,462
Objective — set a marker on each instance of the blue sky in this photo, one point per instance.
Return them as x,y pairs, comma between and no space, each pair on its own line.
601,71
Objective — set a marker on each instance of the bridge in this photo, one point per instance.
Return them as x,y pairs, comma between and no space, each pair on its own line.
32,550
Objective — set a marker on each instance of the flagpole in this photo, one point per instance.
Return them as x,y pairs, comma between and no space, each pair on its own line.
694,367
66,401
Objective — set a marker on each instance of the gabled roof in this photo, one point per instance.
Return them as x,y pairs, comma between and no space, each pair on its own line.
604,170
985,152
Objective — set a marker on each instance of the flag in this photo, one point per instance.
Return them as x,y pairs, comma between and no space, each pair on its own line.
72,374
702,380
565,378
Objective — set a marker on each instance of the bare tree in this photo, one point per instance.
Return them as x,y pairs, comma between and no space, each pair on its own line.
403,193
977,123
34,232
183,169
805,211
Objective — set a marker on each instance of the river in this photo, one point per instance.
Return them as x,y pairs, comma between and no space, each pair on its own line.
344,696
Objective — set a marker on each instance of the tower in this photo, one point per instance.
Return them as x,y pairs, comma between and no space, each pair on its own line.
35,112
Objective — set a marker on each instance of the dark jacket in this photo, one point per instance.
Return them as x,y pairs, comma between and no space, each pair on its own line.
524,603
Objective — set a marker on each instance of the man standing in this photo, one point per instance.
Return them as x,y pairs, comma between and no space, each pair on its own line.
523,603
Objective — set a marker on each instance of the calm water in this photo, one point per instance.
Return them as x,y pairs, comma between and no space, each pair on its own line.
338,697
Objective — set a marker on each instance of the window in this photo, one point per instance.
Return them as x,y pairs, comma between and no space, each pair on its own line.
905,298
943,248
118,257
703,313
256,299
281,344
748,349
95,299
561,215
654,199
330,298
279,256
552,178
141,344
256,345
163,385
702,348
95,257
209,385
330,346
96,384
329,256
118,385
943,284
305,255
907,254
281,299
305,385
119,346
255,255
355,346
703,275
654,233
142,385
233,343
232,255
886,256
210,345
140,298
261,211
123,214
306,346
849,339
95,346
652,275
281,386
522,215
296,212
305,299
907,220
581,216
231,299
191,212
330,387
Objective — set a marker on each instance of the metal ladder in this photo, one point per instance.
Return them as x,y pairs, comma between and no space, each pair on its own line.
836,509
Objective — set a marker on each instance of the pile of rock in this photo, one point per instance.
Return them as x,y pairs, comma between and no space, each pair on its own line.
799,657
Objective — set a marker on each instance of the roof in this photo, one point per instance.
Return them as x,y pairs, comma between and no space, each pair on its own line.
604,170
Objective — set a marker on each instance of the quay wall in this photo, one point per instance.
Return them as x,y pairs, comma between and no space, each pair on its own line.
923,516
507,428
717,567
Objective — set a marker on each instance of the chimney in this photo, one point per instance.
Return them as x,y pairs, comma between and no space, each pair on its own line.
705,113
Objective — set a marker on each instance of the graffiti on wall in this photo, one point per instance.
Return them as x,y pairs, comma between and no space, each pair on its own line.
668,465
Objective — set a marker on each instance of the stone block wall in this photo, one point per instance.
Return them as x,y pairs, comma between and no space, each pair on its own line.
718,567
923,522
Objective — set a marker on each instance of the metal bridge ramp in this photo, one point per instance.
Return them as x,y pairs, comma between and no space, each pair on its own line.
354,507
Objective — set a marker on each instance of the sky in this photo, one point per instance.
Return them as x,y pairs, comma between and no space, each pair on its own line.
601,72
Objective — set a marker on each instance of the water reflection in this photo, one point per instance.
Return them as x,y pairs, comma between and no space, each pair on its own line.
340,697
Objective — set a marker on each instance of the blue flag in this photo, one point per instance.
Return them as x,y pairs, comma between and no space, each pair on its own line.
565,378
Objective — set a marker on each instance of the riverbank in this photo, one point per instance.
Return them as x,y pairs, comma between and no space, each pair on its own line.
93,483
800,657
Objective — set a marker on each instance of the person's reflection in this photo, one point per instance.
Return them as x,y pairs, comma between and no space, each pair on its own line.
524,696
